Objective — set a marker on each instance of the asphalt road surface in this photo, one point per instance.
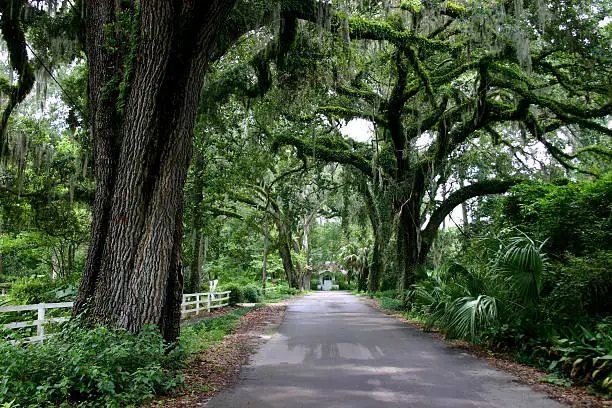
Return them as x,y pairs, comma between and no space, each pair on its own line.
333,350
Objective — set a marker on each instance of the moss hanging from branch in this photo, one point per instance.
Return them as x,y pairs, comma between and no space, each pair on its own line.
13,33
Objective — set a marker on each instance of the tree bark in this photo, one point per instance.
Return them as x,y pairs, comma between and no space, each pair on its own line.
411,251
377,263
264,271
142,136
197,196
362,280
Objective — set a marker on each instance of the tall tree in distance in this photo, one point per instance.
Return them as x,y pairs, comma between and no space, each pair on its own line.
147,62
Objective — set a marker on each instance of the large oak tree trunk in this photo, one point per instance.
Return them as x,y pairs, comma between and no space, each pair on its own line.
411,248
142,138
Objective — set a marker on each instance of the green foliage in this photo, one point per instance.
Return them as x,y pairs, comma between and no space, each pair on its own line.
91,367
579,287
286,290
470,303
252,293
40,289
392,304
236,295
413,6
584,355
522,265
575,217
206,332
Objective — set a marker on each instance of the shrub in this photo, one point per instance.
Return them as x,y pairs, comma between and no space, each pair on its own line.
584,355
32,290
392,304
582,286
390,293
252,293
204,287
97,367
343,285
286,290
236,295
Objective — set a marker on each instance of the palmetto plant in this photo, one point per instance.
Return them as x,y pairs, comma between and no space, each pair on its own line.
522,264
465,302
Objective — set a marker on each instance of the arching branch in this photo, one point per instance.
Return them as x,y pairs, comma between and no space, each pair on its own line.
12,32
320,151
481,188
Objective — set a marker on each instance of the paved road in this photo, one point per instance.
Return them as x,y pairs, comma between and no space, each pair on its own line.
332,350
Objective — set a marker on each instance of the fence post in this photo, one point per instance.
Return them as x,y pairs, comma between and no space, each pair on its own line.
40,328
197,303
208,298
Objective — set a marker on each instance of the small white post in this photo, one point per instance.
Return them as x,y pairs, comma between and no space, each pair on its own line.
208,299
40,328
198,304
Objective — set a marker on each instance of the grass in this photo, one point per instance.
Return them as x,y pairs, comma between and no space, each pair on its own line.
203,334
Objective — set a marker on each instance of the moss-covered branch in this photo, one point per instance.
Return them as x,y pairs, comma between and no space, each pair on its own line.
320,151
13,33
349,114
481,188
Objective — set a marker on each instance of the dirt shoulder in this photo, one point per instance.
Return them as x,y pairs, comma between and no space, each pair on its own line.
575,396
216,368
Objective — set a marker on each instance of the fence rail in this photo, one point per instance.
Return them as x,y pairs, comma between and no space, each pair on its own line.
192,305
40,321
199,302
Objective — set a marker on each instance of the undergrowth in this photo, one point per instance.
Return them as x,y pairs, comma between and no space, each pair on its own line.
102,366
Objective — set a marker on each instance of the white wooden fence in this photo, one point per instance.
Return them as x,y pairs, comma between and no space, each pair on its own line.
199,302
204,302
41,320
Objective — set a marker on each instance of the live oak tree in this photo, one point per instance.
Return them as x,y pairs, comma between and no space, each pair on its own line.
455,75
450,78
147,62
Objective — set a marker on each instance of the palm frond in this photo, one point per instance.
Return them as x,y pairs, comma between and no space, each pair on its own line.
468,316
522,265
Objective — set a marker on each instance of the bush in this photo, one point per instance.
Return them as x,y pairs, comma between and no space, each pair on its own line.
390,293
343,285
32,290
236,295
286,290
584,355
97,367
580,287
392,304
253,293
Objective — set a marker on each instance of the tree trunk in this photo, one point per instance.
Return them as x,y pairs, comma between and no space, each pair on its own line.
377,263
285,254
143,99
362,280
264,271
195,268
411,249
197,196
